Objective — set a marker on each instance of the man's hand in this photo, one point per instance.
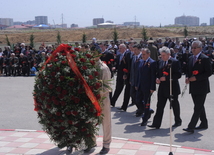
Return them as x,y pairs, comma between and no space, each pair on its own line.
163,78
158,81
187,81
124,77
191,79
151,91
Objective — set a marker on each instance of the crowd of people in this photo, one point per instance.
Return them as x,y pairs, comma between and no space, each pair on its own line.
140,66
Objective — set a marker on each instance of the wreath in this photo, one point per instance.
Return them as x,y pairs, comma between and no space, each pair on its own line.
67,97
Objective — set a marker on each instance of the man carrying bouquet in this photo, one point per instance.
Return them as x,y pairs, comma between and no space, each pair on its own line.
163,79
198,71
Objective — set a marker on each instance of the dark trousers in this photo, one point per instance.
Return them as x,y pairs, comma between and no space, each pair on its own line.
119,87
160,109
199,111
133,93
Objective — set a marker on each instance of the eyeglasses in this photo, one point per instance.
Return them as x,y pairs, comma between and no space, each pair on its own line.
195,47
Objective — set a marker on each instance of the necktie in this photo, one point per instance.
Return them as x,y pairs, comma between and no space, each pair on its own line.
194,60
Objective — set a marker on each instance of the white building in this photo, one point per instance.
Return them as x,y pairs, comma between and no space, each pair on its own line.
6,21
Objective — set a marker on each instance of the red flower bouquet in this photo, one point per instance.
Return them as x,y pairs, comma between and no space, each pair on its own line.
165,73
195,72
67,97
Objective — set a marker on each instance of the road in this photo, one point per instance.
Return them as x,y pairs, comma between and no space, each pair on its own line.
16,112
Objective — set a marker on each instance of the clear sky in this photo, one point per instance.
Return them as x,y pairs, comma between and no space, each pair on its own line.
82,12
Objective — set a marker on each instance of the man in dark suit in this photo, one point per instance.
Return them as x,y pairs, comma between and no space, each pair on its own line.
136,57
107,57
198,72
146,84
123,67
163,79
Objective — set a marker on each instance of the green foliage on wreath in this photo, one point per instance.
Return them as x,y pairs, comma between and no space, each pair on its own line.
64,110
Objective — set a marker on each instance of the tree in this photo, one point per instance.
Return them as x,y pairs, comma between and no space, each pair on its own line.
58,38
7,40
115,35
160,25
185,32
32,40
144,34
84,38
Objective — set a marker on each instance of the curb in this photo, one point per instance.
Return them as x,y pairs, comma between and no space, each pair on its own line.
118,138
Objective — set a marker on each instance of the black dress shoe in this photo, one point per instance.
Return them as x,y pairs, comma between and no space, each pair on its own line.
153,126
89,148
113,105
176,125
189,130
201,127
121,109
104,150
143,123
138,114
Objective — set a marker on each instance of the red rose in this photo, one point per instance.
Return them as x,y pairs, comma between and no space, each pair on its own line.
56,102
98,96
64,54
63,62
90,77
59,89
80,90
53,98
92,62
68,113
125,70
82,59
74,113
96,73
83,130
104,62
74,56
71,83
88,55
111,60
195,72
64,92
51,86
72,98
76,100
77,49
72,51
61,78
63,103
165,73
97,85
60,120
84,67
53,73
48,106
58,113
70,122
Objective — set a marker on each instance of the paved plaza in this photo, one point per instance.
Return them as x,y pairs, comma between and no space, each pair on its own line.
16,112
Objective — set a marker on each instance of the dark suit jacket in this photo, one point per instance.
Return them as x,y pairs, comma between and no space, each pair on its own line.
164,86
106,58
147,75
203,67
124,64
134,69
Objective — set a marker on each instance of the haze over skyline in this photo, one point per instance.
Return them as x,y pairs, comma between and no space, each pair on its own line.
81,12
